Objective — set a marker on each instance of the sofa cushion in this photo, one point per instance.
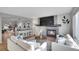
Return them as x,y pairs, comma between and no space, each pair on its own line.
61,40
58,47
71,42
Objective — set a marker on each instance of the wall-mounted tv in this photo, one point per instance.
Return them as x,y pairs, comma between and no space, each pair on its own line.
47,21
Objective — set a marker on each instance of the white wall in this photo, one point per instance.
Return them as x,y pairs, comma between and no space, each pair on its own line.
7,18
76,27
65,28
0,31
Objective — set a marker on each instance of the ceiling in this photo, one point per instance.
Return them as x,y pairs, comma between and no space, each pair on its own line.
35,11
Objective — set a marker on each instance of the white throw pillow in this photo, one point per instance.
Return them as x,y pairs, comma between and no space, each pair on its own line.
44,46
61,40
71,42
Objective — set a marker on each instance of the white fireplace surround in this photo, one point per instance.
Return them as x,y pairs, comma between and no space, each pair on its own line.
51,32
43,30
63,29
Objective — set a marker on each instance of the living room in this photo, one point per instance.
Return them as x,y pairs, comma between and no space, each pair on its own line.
38,29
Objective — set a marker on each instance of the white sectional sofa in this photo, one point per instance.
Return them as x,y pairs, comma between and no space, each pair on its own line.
17,45
23,45
43,47
59,47
66,43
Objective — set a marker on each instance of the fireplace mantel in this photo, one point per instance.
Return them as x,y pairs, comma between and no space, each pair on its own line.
55,25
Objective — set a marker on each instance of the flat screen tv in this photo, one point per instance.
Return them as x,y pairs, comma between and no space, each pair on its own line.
47,21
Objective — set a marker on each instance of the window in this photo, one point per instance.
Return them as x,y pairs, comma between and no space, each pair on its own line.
76,25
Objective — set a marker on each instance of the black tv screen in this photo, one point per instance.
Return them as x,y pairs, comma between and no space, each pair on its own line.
47,21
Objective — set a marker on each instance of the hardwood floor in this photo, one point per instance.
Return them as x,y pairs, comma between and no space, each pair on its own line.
3,47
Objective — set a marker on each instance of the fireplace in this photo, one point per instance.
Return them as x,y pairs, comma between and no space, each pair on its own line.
51,33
